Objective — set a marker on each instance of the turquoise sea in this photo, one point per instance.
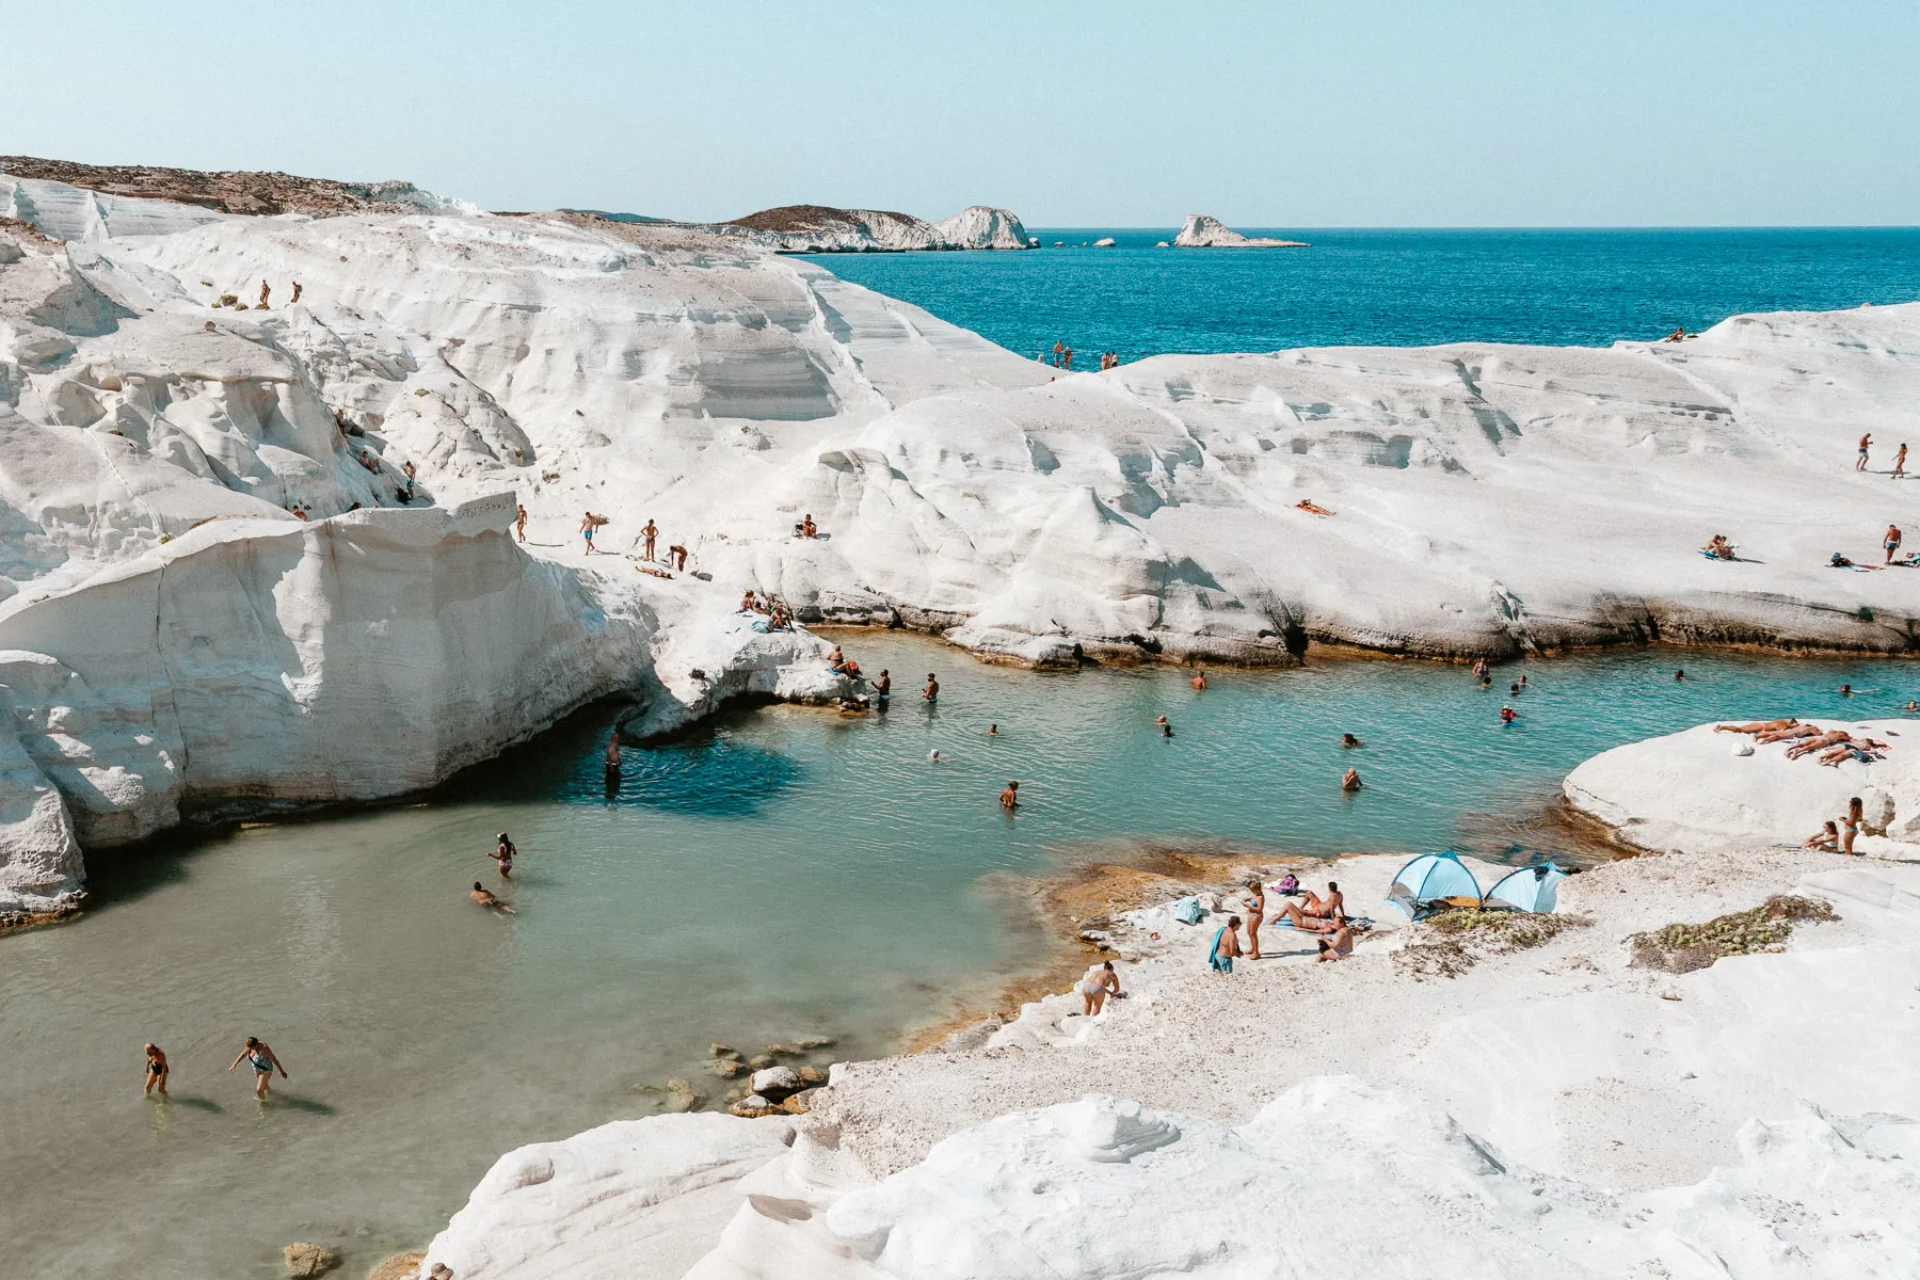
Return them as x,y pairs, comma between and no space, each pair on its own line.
1388,287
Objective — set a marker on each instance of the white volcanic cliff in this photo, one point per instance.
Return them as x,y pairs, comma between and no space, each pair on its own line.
1485,498
1200,231
984,227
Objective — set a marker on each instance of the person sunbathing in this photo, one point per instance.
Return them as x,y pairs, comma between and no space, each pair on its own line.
1719,547
1311,507
1787,734
1831,738
1677,335
1301,920
1852,749
1827,839
1756,726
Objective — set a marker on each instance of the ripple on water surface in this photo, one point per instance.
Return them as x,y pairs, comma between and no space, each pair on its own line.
785,873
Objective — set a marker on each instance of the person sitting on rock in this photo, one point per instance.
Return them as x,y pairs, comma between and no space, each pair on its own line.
1337,945
1719,548
1827,839
1676,335
748,602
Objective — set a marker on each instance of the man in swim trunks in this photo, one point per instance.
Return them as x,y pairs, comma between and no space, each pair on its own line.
1820,742
259,1055
883,687
1226,945
1199,682
1332,907
1786,733
1892,541
486,898
932,692
1010,798
1866,442
587,525
649,532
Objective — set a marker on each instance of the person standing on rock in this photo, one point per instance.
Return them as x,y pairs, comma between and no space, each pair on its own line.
1058,347
1900,462
1892,541
520,522
260,1056
1226,945
1256,905
649,531
1866,442
156,1072
1850,823
503,852
264,291
587,525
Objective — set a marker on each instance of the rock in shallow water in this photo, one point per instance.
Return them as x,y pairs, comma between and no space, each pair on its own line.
308,1259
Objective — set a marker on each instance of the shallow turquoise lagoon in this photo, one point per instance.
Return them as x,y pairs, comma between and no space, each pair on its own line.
785,873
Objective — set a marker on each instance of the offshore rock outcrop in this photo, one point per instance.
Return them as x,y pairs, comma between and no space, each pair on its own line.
1201,231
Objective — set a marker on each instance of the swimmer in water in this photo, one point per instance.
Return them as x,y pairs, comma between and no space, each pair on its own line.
1350,780
1913,705
933,756
993,731
1514,689
156,1071
1486,682
1010,798
932,692
1348,740
503,853
1680,675
1166,730
1508,715
485,898
259,1055
1199,681
883,687
1846,691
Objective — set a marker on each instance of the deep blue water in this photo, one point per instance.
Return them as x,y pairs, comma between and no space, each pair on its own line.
1387,287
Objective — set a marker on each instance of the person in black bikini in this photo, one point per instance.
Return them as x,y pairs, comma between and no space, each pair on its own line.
156,1070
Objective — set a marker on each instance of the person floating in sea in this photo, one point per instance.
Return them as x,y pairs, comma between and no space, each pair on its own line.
260,1056
484,896
520,522
1891,541
1010,798
1827,839
1866,443
1348,740
1350,780
1514,689
649,531
932,692
1095,985
1913,705
503,853
1166,730
1199,682
1226,945
1846,691
933,756
1508,715
156,1070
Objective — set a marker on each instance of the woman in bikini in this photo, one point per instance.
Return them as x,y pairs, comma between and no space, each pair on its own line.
1850,823
1337,946
1096,985
1256,904
503,854
259,1055
156,1070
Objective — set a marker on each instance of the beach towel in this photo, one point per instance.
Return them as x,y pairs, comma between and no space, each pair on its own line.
1189,911
1220,963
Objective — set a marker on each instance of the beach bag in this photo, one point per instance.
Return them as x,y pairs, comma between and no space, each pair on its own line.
1189,911
1289,885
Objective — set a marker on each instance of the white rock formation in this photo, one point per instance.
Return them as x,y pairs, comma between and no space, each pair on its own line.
1689,791
810,228
1488,498
984,227
1201,231
1104,242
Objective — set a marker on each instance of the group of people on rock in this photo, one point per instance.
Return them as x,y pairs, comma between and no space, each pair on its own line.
779,617
1834,745
1326,918
1899,471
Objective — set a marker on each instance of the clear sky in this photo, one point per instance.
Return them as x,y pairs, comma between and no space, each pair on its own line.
1331,113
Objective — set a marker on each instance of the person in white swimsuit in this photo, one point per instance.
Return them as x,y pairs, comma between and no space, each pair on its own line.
1096,985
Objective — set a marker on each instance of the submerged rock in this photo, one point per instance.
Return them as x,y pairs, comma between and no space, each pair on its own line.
308,1259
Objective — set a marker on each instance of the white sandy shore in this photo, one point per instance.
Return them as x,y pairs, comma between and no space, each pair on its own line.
1551,1112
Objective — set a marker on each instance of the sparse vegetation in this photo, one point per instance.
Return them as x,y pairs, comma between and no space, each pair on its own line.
1683,948
1454,940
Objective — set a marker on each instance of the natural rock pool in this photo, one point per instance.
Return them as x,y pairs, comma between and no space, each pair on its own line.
786,873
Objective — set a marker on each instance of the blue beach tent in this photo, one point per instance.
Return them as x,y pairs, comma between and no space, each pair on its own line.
1433,880
1528,889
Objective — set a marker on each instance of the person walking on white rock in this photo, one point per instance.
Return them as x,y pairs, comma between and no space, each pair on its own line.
520,522
1892,541
503,853
260,1056
1866,443
264,291
588,523
1900,461
1096,985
